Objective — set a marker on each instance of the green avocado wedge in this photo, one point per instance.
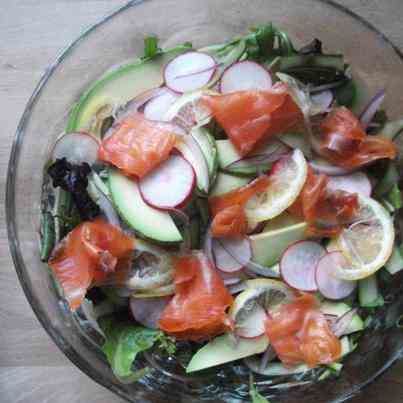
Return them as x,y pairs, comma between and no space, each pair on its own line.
222,349
118,86
268,246
149,222
226,182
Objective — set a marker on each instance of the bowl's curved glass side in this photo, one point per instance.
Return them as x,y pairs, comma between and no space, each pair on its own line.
120,38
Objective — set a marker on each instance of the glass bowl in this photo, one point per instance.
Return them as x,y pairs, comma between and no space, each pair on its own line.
119,37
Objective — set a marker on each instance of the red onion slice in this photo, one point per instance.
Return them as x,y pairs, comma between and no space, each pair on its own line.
298,264
272,153
237,288
341,325
324,99
245,76
370,110
225,260
147,311
243,255
328,285
268,355
321,166
208,247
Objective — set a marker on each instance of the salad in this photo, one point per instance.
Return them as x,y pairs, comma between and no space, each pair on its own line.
225,206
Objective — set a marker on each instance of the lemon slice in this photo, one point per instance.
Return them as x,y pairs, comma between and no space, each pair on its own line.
249,309
368,242
286,182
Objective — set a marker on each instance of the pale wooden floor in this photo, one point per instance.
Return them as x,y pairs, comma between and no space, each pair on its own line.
32,370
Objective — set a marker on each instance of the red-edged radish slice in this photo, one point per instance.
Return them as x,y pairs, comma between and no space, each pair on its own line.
76,148
232,254
169,185
158,106
370,110
191,150
357,182
298,264
147,311
189,71
244,76
328,285
253,325
324,99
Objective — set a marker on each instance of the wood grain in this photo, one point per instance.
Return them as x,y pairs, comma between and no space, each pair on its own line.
32,32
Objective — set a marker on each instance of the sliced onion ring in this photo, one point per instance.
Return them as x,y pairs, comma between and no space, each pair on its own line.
340,326
245,259
147,311
370,110
323,167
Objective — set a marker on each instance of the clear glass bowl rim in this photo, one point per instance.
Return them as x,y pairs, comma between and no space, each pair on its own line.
19,265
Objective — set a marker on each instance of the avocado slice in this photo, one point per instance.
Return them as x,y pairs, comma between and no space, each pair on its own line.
150,222
227,154
268,246
225,183
207,144
118,86
222,349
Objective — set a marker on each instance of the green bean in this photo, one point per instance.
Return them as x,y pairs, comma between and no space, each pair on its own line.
47,235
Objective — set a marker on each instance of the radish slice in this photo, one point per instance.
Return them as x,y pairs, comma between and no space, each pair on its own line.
147,311
191,150
244,76
189,71
369,112
323,99
77,148
298,264
169,185
253,325
225,259
330,286
357,182
158,106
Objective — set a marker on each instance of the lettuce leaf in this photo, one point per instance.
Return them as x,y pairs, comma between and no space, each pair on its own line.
123,342
255,396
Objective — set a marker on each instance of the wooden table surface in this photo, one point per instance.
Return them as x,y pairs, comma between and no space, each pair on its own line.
32,32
